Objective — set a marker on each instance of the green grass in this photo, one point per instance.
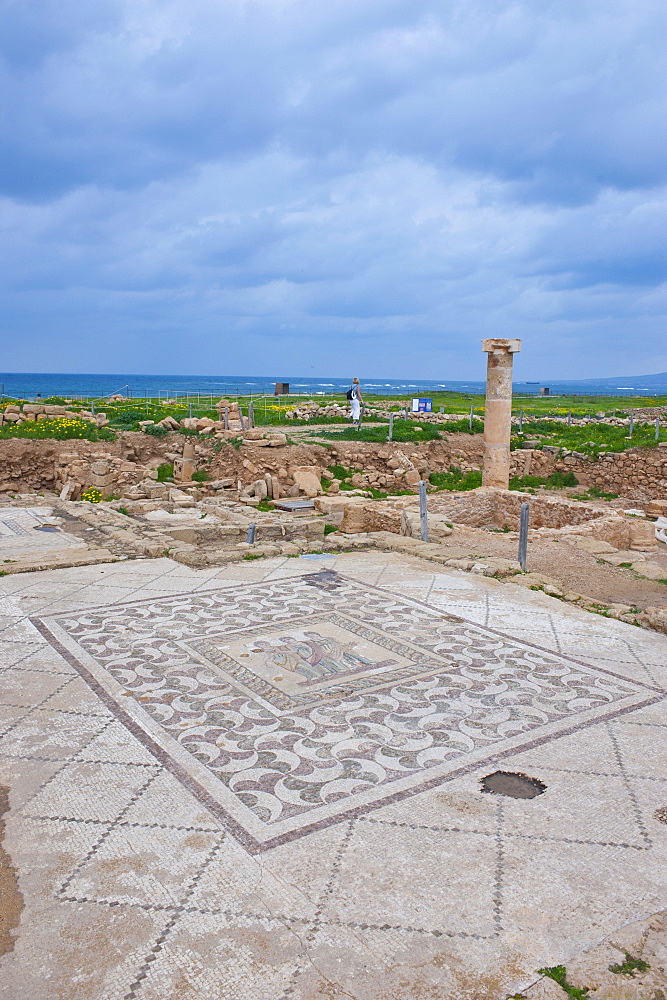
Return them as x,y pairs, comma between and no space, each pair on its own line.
556,481
404,431
600,495
165,472
455,479
329,529
200,477
265,505
629,966
589,439
559,975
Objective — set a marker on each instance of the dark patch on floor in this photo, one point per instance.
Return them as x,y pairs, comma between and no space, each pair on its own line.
512,783
11,899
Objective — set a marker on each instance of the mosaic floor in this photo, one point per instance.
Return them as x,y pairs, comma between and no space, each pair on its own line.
264,781
30,530
290,704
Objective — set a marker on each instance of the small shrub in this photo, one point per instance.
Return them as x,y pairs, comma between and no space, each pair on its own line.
558,973
165,472
156,431
201,476
329,529
91,495
456,479
629,966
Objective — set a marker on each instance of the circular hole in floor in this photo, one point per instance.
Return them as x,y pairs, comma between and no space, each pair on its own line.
514,784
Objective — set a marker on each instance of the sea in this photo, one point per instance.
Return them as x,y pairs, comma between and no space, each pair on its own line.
41,385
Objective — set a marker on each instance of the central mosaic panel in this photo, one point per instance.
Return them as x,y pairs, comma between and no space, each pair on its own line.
286,706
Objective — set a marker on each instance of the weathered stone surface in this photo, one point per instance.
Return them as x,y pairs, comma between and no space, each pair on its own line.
307,480
650,570
438,527
259,489
655,618
370,516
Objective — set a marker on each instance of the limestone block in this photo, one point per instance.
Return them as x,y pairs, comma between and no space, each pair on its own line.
156,491
259,489
275,488
438,528
373,516
169,422
181,533
276,440
100,468
307,481
183,470
12,416
593,545
203,422
642,535
255,442
650,570
253,434
12,408
412,478
33,408
655,618
190,423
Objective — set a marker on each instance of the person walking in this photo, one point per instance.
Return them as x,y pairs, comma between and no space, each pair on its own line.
356,399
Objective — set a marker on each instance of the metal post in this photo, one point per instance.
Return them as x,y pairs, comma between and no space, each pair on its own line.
406,412
521,420
470,418
190,409
423,511
523,535
442,409
391,427
657,429
569,418
251,414
632,424
242,420
226,418
92,409
252,529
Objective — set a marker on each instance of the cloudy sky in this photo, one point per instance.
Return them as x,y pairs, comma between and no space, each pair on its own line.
320,187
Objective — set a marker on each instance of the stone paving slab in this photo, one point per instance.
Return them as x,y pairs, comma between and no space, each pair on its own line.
135,884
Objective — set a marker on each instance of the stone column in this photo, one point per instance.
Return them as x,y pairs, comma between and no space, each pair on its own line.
498,415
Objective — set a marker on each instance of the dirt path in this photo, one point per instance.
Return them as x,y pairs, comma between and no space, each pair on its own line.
577,570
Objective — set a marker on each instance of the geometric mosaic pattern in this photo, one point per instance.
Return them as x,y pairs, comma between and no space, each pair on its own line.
293,704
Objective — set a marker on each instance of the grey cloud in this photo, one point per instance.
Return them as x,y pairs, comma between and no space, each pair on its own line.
377,180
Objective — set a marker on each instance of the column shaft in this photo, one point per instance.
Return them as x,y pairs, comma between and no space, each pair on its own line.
498,414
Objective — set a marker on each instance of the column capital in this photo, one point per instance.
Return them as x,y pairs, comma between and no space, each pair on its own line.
496,345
